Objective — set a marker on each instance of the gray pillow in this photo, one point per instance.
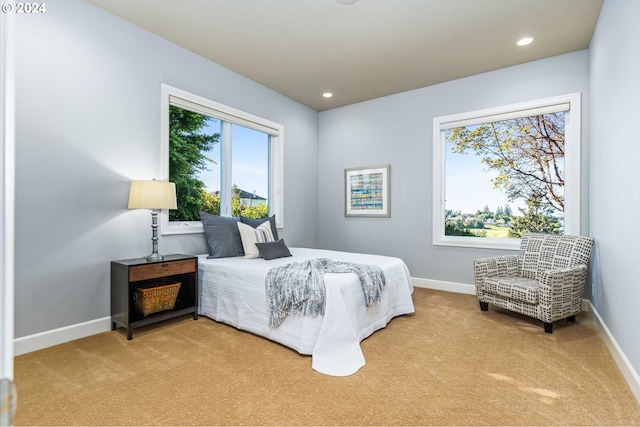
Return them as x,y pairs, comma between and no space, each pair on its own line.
222,236
256,222
273,250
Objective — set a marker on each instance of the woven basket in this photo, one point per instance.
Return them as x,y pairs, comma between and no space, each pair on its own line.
155,297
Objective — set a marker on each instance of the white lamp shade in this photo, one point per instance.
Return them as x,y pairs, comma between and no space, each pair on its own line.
152,195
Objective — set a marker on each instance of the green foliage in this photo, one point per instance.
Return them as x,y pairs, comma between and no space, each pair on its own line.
211,203
239,208
537,218
484,216
261,210
528,154
451,213
456,230
479,233
475,223
187,142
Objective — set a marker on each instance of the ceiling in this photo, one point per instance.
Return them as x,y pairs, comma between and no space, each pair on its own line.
365,50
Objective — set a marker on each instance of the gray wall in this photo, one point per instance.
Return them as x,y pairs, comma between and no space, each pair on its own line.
615,175
398,130
88,122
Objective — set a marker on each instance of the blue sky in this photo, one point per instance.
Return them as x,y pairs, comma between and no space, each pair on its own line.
468,187
250,160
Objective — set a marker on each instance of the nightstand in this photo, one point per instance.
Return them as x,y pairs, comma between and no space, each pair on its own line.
128,274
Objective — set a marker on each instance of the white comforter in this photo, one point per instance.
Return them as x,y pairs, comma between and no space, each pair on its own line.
232,291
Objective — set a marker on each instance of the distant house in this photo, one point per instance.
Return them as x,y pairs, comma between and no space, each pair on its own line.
251,199
248,199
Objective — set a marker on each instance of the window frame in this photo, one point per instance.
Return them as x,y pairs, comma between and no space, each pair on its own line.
178,97
572,165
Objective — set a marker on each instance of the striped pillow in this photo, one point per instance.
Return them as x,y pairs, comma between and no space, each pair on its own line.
250,236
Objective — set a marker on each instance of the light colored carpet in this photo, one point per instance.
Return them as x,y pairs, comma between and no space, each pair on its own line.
448,364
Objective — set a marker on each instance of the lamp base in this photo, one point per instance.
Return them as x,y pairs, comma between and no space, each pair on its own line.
154,257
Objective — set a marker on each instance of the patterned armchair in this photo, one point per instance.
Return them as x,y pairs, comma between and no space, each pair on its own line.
544,281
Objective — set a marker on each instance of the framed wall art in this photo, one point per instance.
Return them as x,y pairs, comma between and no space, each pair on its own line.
366,192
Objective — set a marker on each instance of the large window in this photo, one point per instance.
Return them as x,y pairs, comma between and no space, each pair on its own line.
223,161
503,172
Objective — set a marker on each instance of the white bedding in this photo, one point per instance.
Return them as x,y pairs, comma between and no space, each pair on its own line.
232,291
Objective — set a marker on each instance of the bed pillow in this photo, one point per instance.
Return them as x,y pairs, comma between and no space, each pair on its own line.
250,236
256,222
273,250
222,236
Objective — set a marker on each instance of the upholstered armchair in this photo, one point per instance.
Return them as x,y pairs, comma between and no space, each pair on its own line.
544,281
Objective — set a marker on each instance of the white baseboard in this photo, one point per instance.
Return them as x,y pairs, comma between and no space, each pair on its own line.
440,285
629,373
46,339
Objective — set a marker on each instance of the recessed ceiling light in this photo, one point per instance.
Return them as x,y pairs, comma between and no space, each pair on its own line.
525,41
327,94
346,1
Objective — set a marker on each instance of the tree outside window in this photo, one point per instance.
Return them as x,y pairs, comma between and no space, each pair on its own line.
194,165
506,171
224,161
523,160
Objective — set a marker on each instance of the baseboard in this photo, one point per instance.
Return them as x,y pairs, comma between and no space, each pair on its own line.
462,288
629,373
46,339
440,285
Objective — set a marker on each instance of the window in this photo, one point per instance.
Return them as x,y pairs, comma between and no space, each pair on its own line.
223,161
502,172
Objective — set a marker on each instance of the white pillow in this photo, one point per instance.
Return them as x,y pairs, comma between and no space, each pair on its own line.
250,236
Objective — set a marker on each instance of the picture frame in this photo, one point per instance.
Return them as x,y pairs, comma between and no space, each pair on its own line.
367,192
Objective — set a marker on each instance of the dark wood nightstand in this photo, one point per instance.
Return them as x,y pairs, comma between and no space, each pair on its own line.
128,274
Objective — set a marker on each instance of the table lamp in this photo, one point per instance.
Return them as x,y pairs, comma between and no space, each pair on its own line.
154,195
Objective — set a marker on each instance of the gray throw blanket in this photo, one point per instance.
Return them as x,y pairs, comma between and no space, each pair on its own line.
299,287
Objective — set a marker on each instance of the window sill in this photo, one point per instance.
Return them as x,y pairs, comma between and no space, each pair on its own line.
478,242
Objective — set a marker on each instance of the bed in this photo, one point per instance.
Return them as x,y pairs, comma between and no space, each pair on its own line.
232,291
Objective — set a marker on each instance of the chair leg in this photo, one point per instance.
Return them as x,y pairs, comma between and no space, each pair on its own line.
548,327
484,306
571,318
